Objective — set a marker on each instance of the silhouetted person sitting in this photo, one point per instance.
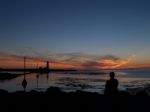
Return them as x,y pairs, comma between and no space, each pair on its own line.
111,86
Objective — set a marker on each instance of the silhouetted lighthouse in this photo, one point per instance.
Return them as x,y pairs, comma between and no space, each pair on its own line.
47,65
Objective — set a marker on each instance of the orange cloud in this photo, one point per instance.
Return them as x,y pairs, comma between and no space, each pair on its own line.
72,60
114,64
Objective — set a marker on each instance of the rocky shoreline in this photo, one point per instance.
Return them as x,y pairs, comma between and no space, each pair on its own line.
56,90
55,100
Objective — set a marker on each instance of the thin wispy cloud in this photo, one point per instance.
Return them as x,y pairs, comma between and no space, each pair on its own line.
76,60
82,60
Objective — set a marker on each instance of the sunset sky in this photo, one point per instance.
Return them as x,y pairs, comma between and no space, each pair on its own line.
86,34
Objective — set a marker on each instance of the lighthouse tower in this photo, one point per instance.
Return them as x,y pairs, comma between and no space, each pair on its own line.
47,65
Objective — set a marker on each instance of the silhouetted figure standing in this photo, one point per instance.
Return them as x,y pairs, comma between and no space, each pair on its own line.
111,87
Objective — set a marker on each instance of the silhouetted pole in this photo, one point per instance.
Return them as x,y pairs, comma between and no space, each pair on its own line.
24,82
47,66
24,66
47,77
37,76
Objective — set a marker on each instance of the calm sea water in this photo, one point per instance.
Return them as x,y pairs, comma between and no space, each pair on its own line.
130,80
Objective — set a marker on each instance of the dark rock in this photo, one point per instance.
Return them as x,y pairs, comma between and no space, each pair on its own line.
142,93
3,92
54,91
124,93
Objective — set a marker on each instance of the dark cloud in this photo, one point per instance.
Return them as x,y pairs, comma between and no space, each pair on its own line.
90,64
7,56
110,57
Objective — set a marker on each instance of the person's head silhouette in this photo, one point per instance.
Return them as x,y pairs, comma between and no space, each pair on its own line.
112,75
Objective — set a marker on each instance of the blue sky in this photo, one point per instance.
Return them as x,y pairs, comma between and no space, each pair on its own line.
103,27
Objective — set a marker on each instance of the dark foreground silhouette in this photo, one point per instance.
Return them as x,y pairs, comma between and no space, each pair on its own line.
56,100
